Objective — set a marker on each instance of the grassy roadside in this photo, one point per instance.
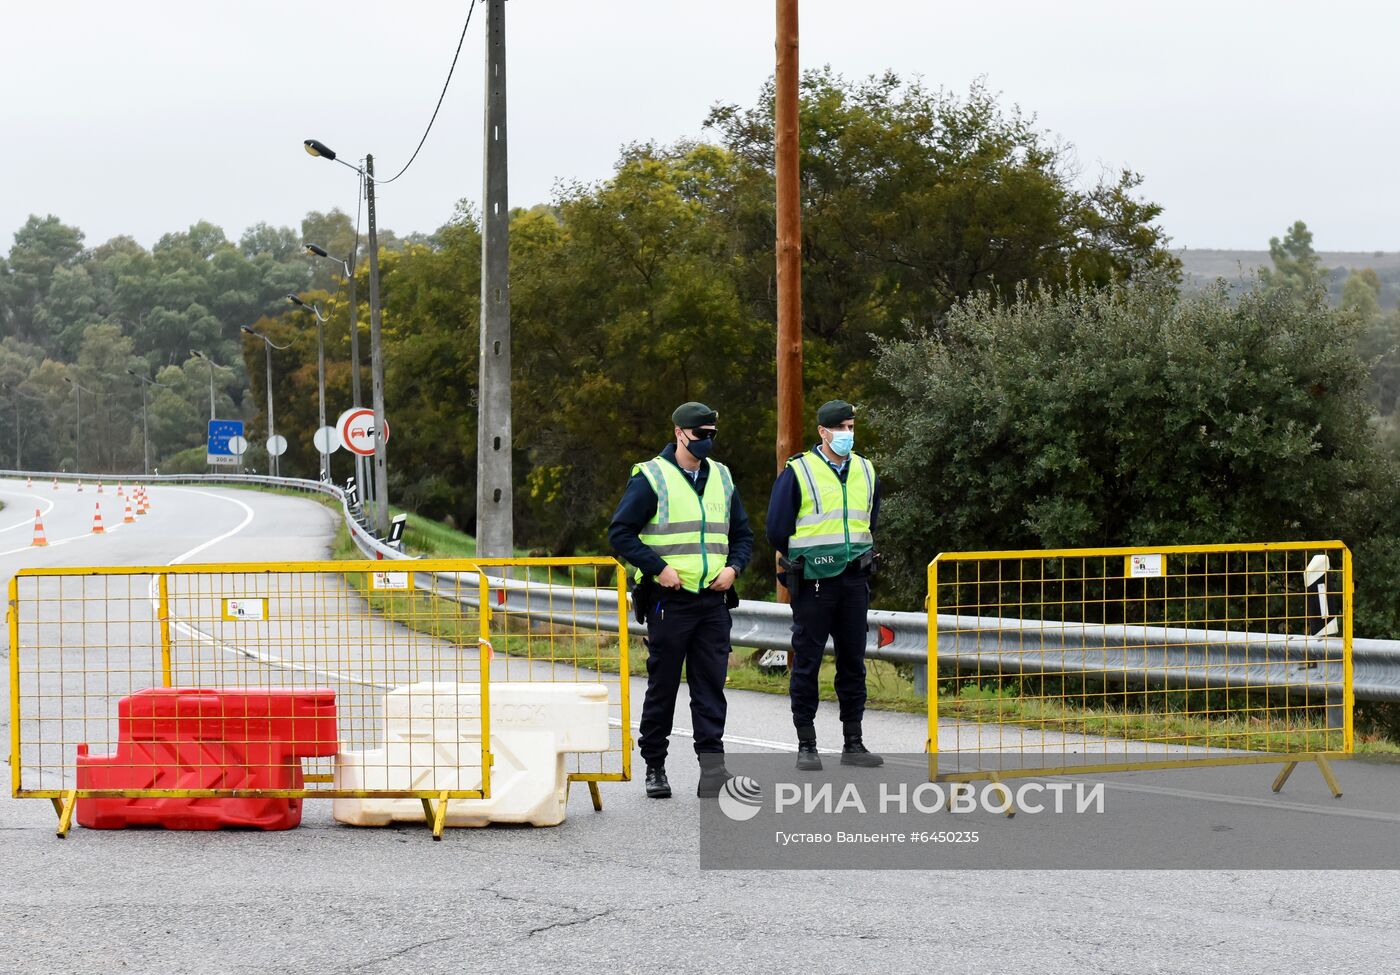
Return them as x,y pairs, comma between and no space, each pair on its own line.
886,686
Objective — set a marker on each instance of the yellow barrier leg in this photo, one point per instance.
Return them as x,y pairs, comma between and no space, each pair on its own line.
1325,768
1283,775
440,819
428,811
953,791
65,815
596,796
1010,801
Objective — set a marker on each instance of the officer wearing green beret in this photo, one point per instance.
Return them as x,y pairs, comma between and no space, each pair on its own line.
821,520
682,528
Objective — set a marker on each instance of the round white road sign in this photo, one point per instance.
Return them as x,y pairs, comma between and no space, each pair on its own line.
327,440
277,446
238,446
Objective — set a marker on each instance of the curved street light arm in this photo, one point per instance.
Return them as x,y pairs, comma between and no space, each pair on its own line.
279,348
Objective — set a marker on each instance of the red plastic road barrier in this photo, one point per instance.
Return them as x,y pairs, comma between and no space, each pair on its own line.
199,738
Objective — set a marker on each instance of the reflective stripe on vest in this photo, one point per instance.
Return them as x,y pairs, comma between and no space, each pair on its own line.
833,519
691,533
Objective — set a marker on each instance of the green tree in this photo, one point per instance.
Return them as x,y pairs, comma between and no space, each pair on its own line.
1296,269
41,247
1361,293
1135,415
626,305
914,199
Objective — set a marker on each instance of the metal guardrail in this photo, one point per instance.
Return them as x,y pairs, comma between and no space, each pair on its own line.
1151,654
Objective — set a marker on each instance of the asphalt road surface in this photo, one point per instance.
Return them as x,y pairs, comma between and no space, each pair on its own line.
622,890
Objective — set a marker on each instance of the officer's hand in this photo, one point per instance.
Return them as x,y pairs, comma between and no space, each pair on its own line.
725,579
669,578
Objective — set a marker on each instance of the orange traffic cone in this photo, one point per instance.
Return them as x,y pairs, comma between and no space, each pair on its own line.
99,487
80,485
39,538
55,484
119,490
97,528
29,482
140,502
128,518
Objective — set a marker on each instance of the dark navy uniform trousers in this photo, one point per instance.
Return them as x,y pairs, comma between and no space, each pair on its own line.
690,629
835,608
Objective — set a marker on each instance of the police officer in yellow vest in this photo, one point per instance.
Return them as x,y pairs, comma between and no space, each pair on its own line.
681,527
821,520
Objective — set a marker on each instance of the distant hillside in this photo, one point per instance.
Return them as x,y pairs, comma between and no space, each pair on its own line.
1201,266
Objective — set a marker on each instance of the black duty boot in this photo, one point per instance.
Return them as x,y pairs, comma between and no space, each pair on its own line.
657,785
713,775
807,758
854,751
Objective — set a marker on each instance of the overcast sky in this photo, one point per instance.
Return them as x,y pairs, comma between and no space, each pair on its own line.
141,117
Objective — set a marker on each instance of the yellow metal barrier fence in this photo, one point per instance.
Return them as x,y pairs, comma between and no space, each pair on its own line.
565,620
1078,660
90,644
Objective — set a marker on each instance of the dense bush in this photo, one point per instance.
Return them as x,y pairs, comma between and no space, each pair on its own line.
1135,415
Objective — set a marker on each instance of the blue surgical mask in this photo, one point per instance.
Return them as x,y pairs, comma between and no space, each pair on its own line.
842,442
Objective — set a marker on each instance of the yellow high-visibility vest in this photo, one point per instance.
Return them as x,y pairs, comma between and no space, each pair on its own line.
690,532
833,520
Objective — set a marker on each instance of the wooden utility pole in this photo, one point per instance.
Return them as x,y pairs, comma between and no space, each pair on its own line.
789,245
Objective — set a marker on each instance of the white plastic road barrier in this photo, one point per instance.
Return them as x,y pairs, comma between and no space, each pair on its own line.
432,740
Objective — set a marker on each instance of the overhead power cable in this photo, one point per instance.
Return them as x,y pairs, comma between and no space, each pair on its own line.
439,101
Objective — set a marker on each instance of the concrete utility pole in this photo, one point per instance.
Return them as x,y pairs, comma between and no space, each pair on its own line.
495,530
376,364
789,243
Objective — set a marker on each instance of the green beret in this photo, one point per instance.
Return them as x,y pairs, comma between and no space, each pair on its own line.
690,415
834,412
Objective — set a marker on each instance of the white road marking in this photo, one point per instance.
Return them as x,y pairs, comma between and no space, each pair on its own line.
26,521
202,637
64,541
247,520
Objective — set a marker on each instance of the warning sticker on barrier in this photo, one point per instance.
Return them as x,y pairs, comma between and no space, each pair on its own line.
1143,566
391,580
245,609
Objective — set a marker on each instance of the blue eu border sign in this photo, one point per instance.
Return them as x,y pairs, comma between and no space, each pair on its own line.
220,432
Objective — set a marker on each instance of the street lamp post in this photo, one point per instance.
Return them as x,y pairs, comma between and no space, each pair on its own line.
210,362
348,266
268,345
79,389
17,392
376,351
145,427
320,372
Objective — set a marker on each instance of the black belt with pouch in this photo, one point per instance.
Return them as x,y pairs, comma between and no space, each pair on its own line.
644,593
792,571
